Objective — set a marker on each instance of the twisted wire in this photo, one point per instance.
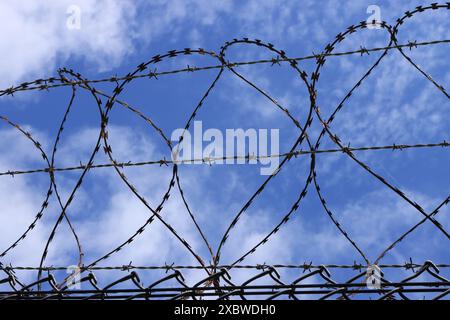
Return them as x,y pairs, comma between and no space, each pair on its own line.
216,272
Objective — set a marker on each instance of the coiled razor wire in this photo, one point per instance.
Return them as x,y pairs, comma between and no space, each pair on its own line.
218,283
266,284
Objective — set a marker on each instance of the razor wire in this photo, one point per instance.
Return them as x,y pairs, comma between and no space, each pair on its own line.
217,273
266,283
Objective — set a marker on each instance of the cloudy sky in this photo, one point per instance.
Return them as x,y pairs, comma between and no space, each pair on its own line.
395,104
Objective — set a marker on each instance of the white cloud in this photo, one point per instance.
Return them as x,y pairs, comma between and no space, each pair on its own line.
36,39
103,220
106,35
35,36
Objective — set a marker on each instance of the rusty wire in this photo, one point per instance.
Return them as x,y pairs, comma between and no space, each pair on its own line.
217,273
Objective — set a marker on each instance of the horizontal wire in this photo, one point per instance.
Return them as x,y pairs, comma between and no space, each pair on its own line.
355,266
212,160
248,290
26,86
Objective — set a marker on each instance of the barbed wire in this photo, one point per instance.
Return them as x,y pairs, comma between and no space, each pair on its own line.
213,160
49,83
305,266
267,284
217,273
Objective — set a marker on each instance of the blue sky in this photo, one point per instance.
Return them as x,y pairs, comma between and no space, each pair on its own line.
395,104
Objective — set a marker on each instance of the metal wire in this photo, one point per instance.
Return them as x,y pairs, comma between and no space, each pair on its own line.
265,284
217,273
